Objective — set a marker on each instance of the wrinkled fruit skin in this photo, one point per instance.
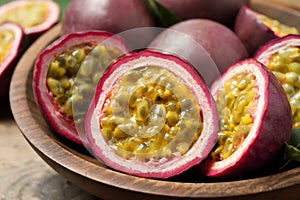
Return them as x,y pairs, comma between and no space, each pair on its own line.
7,66
252,32
163,170
64,126
270,131
224,12
212,39
113,16
33,32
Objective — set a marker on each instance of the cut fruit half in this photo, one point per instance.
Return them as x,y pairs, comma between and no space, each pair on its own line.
255,121
66,73
11,37
282,57
152,116
34,16
255,29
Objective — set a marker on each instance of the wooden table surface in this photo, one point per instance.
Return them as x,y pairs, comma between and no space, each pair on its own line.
24,175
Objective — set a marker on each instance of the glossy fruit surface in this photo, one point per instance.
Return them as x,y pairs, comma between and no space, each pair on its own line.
11,38
255,121
255,29
209,46
224,12
152,116
66,73
113,16
35,17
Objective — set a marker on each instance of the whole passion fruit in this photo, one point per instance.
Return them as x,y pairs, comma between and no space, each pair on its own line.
152,116
255,121
35,17
65,74
11,37
282,57
217,47
114,16
223,12
255,29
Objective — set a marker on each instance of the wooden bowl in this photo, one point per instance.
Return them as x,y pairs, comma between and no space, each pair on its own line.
75,163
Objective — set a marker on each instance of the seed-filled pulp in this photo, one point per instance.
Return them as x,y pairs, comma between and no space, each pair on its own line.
285,64
6,40
29,15
73,74
235,105
150,114
277,27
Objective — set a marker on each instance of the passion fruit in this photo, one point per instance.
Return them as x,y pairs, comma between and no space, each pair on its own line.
255,29
113,16
152,116
65,74
282,57
255,121
222,12
217,47
35,17
11,37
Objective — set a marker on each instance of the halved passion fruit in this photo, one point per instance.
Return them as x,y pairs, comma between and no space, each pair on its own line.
67,72
35,17
282,57
255,120
255,29
152,116
11,37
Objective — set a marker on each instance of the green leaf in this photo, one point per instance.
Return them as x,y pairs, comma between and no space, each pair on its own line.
163,15
5,1
291,151
63,5
295,138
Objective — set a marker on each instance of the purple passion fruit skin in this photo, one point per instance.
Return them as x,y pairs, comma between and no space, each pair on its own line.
255,29
139,121
219,43
255,121
222,12
35,17
113,16
65,73
282,57
11,37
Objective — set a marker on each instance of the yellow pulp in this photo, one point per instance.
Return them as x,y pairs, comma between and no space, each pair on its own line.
285,64
151,114
277,27
235,105
30,15
6,40
73,75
